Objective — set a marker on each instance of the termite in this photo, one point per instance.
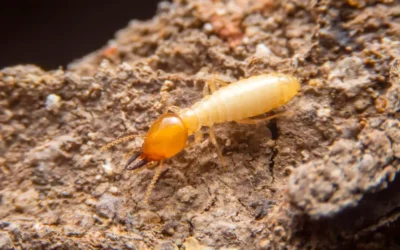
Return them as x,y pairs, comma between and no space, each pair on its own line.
238,101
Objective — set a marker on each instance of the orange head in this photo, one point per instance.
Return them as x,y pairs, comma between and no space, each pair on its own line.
167,137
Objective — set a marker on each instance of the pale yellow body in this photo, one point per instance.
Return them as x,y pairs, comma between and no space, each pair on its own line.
238,101
241,100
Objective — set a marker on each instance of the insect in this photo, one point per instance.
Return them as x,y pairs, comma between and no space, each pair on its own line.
238,101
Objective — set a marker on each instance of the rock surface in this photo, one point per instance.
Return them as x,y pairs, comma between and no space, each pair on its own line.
323,178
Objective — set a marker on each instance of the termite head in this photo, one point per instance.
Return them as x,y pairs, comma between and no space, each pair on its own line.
166,137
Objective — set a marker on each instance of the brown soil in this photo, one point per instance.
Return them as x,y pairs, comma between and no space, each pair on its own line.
323,178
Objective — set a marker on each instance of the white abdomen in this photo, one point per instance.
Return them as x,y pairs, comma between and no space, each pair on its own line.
246,98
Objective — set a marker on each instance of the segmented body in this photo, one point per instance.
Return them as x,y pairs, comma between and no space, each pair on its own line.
240,100
246,98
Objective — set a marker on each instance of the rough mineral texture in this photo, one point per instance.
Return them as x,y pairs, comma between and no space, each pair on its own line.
323,177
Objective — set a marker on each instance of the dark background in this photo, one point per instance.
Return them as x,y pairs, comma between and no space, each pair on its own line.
54,33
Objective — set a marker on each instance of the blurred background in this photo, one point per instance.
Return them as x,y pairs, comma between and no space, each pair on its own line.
54,33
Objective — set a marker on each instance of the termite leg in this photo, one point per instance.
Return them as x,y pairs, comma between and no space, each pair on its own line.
206,88
219,81
117,141
214,141
211,85
152,165
152,183
198,137
174,109
260,120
